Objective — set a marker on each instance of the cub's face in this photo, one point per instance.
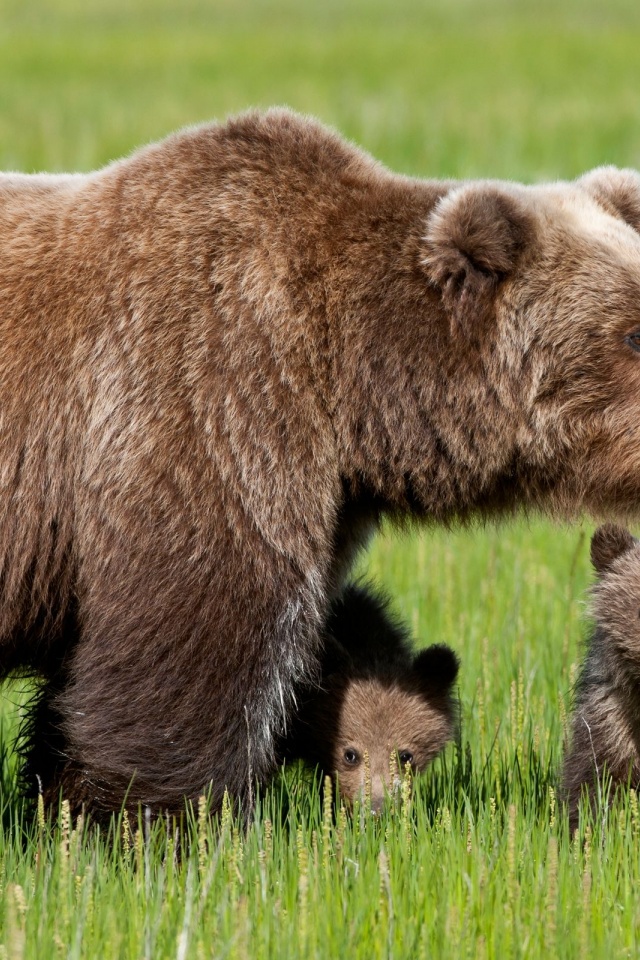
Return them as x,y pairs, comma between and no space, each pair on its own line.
542,288
369,722
380,729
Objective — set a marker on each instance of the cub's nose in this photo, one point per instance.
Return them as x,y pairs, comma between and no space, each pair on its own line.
379,790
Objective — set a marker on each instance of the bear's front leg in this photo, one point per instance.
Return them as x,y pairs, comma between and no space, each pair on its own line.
181,686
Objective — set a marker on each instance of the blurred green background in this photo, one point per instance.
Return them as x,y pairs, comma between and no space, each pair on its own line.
444,88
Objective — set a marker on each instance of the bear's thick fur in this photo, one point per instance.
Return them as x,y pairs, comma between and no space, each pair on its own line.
378,704
604,752
222,361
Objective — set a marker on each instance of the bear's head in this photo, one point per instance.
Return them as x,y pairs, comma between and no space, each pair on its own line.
368,724
615,607
541,288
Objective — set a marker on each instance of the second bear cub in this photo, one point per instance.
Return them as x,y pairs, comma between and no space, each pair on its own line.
376,699
606,719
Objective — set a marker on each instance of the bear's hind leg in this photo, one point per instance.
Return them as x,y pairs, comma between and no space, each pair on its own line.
47,768
166,703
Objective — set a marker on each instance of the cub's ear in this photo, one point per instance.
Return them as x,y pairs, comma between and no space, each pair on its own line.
436,668
607,544
618,191
473,240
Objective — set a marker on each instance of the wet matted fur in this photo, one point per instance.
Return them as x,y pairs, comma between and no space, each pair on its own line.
222,361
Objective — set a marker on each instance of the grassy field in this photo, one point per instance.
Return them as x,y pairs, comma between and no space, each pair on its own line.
479,861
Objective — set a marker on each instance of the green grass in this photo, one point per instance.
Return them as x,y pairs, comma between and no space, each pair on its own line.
480,862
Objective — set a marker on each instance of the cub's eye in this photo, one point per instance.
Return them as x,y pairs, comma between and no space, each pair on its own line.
405,757
351,757
633,340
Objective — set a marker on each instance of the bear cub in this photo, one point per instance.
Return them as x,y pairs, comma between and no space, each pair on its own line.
606,719
376,698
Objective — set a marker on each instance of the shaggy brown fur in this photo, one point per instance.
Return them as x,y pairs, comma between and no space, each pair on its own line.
222,360
606,722
375,697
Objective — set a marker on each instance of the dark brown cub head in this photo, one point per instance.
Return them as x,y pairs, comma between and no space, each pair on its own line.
365,726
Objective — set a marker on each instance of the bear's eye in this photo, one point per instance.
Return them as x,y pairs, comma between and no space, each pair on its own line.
633,340
351,756
405,757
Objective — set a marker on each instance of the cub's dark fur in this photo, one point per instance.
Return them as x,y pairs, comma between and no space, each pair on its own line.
605,742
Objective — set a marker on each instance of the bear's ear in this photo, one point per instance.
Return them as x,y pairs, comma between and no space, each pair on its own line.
607,544
473,240
618,191
436,668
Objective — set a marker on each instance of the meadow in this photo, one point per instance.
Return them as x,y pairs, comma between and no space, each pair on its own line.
478,861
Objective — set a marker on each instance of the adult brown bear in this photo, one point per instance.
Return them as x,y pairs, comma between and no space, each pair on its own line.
222,360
